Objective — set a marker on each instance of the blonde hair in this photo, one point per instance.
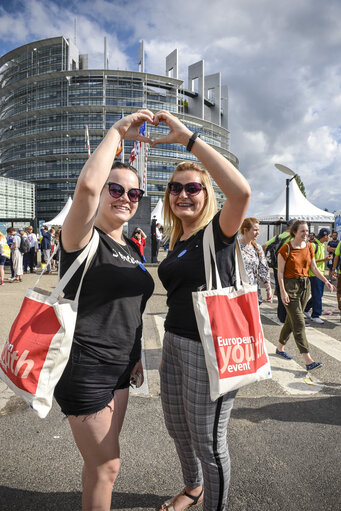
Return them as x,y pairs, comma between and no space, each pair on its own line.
2,237
173,225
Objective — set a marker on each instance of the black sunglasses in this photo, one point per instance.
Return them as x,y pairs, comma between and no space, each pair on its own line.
116,191
176,188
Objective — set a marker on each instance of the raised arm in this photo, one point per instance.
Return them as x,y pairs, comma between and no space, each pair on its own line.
78,225
228,178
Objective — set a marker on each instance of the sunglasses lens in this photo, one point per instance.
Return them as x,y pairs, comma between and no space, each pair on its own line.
193,188
116,190
135,194
175,188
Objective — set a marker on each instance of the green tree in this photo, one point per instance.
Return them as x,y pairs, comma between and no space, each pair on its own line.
300,184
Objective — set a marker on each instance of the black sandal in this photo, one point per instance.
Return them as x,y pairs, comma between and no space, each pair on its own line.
169,504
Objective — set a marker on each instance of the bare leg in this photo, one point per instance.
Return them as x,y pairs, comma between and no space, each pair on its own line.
97,438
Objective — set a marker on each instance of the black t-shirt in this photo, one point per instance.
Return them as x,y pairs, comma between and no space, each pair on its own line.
183,272
113,297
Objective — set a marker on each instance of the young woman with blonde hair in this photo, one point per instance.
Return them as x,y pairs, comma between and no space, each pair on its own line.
196,424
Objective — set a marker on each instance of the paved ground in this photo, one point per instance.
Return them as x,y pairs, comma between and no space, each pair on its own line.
284,435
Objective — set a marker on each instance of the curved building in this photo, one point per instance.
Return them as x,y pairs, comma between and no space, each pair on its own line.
48,95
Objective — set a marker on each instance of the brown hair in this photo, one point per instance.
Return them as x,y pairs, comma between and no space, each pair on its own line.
120,165
294,227
173,225
247,224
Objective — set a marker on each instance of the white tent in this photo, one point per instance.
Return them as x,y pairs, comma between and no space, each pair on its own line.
59,219
158,212
299,208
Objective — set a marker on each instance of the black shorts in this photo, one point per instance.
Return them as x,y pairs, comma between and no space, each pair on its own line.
87,385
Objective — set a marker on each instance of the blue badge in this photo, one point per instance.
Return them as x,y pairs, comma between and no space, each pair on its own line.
182,253
142,267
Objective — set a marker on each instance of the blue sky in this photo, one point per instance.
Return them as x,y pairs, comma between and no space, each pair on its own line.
280,60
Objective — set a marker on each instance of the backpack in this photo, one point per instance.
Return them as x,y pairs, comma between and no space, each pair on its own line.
24,245
272,250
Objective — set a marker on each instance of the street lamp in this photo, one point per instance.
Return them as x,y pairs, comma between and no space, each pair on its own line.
291,173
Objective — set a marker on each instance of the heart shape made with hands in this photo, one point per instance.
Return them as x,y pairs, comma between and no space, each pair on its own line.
178,132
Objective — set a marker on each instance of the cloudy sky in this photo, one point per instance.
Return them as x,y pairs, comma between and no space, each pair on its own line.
279,58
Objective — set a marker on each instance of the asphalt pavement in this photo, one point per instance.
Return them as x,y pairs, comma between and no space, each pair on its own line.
284,434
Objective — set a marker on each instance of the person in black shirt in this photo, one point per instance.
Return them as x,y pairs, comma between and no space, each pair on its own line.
196,424
105,355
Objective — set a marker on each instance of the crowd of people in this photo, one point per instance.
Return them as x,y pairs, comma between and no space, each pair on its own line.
24,246
106,352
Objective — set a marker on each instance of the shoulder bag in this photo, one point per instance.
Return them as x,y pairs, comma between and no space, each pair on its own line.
229,326
39,343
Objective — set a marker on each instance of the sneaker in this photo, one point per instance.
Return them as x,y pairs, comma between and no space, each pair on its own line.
11,279
307,314
2,283
318,320
283,354
307,324
313,365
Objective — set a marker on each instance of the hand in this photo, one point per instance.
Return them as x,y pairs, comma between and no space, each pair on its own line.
138,368
330,286
128,127
285,297
269,298
178,133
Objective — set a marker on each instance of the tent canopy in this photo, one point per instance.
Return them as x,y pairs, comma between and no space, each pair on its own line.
299,207
59,219
158,212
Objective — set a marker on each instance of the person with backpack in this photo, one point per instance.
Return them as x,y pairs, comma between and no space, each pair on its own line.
17,256
45,247
271,248
317,285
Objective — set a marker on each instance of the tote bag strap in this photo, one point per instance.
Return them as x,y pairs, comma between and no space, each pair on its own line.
87,254
209,252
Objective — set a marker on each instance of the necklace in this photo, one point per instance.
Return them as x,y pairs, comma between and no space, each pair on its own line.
125,248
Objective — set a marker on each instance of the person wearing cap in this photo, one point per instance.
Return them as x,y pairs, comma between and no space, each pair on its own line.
285,236
317,285
337,271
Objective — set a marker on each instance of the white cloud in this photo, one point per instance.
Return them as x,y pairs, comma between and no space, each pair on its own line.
280,60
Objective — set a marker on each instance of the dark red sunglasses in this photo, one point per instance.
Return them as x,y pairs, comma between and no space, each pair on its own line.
116,191
176,188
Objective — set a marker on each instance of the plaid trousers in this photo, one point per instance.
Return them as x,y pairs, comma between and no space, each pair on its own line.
197,425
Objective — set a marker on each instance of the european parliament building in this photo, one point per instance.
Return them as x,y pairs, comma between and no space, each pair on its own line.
48,95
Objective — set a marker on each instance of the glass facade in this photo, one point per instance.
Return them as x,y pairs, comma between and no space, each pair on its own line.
17,199
46,101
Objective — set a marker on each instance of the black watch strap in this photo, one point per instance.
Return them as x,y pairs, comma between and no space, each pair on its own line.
191,141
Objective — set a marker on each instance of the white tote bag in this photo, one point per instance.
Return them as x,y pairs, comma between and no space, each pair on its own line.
229,326
38,347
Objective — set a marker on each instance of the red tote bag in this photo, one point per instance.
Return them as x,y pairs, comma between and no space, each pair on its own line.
39,343
230,328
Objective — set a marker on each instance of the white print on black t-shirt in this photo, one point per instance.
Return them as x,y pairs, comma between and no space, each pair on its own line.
126,258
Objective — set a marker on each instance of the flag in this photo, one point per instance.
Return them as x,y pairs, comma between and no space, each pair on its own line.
120,145
142,129
119,149
133,154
